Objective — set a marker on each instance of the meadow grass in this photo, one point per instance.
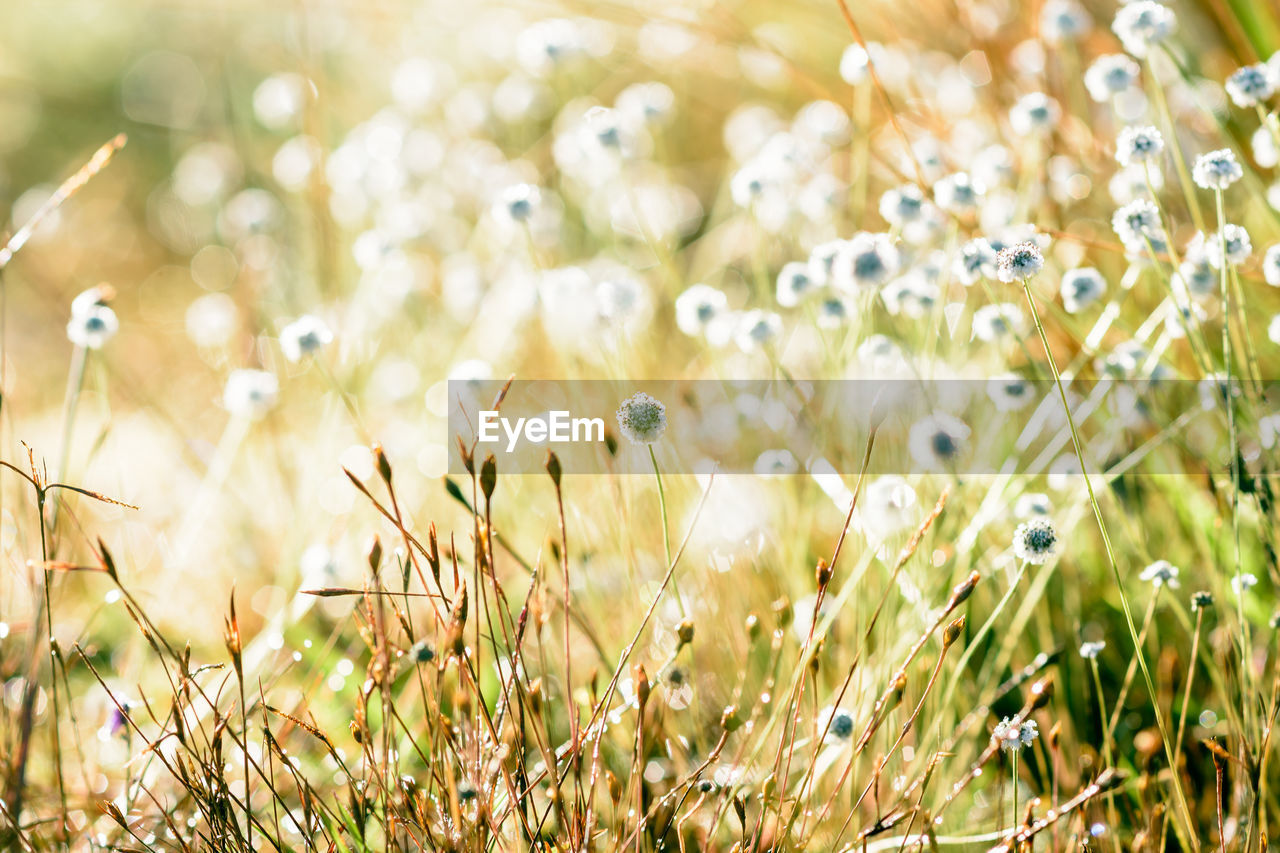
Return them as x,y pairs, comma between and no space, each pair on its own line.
264,589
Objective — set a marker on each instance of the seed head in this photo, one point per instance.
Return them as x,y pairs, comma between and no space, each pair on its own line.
1019,262
1012,735
1035,541
1216,170
1161,573
642,418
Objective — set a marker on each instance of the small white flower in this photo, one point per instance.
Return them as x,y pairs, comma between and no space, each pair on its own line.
1263,145
1216,170
1161,573
517,203
1012,736
1273,329
1271,266
642,418
92,324
250,393
1249,85
306,335
1143,25
977,260
822,260
1092,650
867,260
888,506
1064,20
1141,144
854,64
832,313
1035,541
1035,113
957,193
1111,75
1243,582
1010,392
757,328
1236,241
646,103
1019,262
698,307
902,205
794,284
836,722
936,440
1137,222
1081,288
992,323
1032,504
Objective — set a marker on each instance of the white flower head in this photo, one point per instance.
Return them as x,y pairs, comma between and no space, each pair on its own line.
1092,650
1143,25
1081,287
1216,170
1064,20
1250,85
1139,144
1035,541
836,722
992,323
936,440
1035,113
888,506
642,418
1019,262
976,260
1010,392
1111,75
1137,222
866,260
1032,504
92,324
854,64
1243,582
757,328
699,307
794,284
1161,573
1271,266
517,203
1236,242
250,393
958,193
1012,735
304,336
902,205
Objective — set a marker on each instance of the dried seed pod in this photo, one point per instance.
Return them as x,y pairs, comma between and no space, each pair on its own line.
685,632
952,632
488,476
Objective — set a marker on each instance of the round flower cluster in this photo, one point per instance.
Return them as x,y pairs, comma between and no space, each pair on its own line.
1012,735
1035,541
1019,262
642,418
1216,170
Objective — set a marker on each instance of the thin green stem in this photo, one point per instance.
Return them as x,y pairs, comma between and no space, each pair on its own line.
1229,402
1111,559
666,526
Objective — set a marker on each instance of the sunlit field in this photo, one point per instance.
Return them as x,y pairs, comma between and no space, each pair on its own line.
918,489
